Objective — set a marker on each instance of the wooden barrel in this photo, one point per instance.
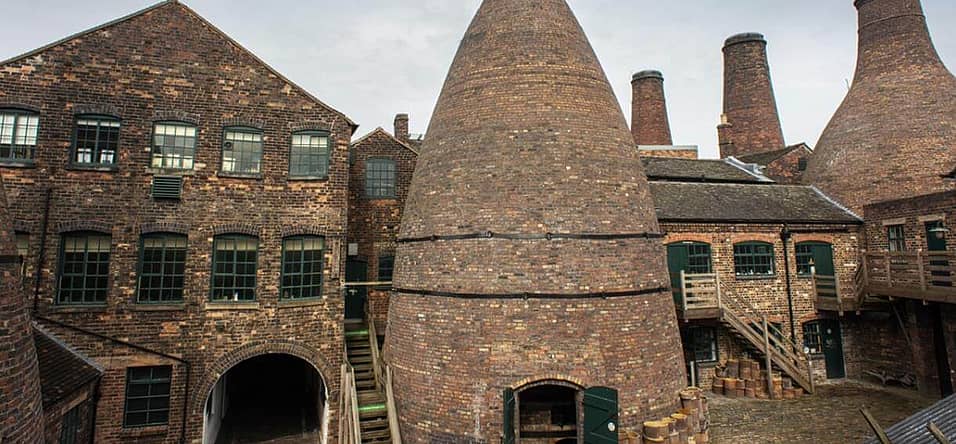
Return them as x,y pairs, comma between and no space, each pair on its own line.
693,419
733,369
717,386
746,370
680,421
751,393
656,431
741,392
702,438
730,387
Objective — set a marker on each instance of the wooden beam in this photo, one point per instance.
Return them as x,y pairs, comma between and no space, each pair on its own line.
880,434
768,358
937,433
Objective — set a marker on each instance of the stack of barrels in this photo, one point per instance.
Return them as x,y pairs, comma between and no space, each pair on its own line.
688,426
745,379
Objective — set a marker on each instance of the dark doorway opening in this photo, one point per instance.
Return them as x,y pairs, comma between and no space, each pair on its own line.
942,355
265,399
831,338
548,414
356,296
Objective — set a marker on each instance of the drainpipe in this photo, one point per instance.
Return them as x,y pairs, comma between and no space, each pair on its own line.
42,253
785,237
95,402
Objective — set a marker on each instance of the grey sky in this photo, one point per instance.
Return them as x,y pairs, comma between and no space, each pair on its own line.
374,58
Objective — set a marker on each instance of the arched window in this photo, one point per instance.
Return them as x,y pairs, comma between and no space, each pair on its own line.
234,262
162,268
95,141
753,259
242,151
84,268
18,135
302,266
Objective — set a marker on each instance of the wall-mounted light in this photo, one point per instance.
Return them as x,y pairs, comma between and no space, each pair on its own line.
939,231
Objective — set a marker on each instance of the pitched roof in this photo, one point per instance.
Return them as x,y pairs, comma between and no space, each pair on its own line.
381,131
913,430
770,156
63,370
697,170
758,203
159,5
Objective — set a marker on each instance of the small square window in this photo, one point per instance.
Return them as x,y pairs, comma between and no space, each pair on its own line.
380,178
18,135
174,146
701,344
242,151
309,155
812,338
147,396
96,141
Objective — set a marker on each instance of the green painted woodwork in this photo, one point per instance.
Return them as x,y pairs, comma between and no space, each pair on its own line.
600,416
509,417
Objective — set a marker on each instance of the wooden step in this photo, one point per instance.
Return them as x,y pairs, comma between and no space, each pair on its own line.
370,397
374,425
360,359
373,411
376,436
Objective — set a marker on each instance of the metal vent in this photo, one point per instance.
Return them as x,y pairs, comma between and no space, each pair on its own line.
167,187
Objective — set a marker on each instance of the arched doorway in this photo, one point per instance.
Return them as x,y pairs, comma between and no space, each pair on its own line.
548,414
267,398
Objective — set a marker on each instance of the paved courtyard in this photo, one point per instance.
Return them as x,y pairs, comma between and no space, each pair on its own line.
832,415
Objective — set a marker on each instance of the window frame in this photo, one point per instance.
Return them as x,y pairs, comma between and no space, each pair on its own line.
896,244
754,256
61,261
162,275
311,175
394,185
100,119
283,274
213,274
799,255
18,113
23,254
240,129
388,258
153,146
70,425
818,334
693,333
149,382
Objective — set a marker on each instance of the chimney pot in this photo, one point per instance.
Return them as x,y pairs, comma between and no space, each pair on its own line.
401,127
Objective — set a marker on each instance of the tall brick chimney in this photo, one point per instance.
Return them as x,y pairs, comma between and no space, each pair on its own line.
509,267
894,136
649,122
750,122
401,127
21,409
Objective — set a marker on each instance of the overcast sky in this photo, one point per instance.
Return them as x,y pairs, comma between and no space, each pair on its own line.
372,59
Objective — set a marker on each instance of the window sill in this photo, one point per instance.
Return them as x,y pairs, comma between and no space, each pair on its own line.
381,198
79,308
231,306
142,432
157,307
18,164
706,364
308,178
756,278
169,172
250,176
296,303
92,167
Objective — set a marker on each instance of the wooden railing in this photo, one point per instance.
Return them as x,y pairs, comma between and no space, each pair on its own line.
927,275
769,340
350,429
699,291
383,378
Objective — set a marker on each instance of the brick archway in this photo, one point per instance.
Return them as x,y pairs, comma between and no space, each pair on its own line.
224,363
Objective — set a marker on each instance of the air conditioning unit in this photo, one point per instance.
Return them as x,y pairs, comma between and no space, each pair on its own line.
167,187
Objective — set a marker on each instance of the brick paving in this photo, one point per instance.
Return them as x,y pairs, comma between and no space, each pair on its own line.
832,415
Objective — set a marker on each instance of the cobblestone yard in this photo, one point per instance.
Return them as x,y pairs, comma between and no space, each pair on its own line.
832,415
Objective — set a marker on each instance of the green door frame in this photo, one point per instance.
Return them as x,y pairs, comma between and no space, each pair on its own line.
831,339
355,297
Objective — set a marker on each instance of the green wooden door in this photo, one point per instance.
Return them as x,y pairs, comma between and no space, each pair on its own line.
821,255
934,243
832,342
689,257
355,297
600,416
508,434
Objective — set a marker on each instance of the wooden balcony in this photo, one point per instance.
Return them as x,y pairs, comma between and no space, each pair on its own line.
921,275
699,296
831,296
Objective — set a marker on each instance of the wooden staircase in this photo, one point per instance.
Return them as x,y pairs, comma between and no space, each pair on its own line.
368,406
701,299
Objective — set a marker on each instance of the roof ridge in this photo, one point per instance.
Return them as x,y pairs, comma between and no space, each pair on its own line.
834,202
384,131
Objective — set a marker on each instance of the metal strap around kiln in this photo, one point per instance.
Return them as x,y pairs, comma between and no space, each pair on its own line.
592,295
545,236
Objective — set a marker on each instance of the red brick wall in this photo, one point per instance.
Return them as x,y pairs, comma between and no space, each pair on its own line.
83,402
786,169
672,154
649,122
374,223
135,71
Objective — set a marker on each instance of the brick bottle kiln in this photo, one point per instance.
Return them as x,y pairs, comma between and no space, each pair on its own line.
530,280
894,135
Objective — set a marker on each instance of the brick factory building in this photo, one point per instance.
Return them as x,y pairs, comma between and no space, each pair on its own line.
196,249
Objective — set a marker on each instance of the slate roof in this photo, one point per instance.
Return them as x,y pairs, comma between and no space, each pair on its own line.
770,156
913,430
62,370
697,170
743,203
